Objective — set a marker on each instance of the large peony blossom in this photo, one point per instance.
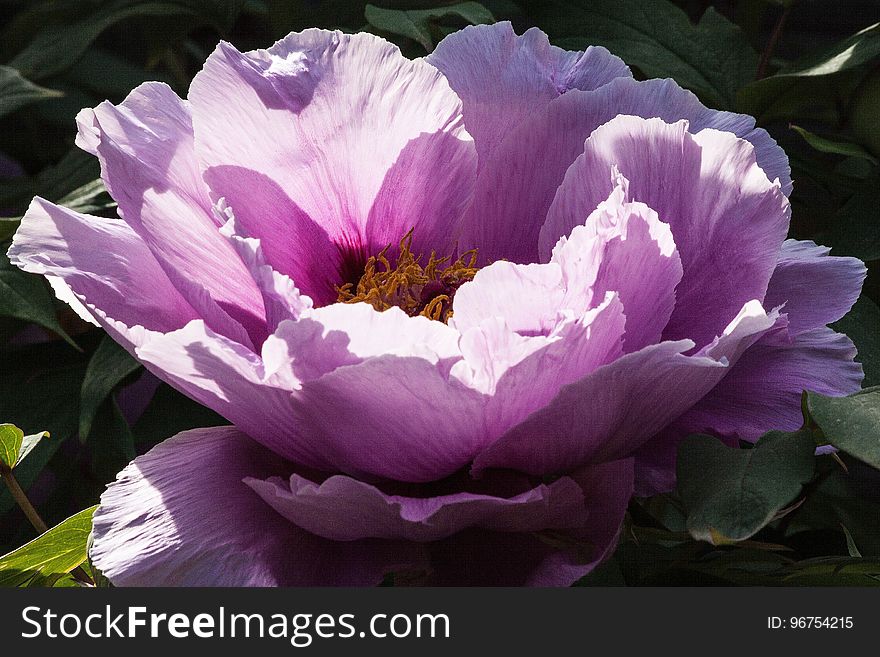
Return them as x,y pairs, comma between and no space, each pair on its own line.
458,309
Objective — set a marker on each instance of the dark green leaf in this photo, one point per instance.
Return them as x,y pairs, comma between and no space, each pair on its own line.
27,297
851,424
730,494
856,227
808,78
39,389
110,364
28,444
416,24
49,556
11,438
57,46
712,58
16,91
862,325
825,145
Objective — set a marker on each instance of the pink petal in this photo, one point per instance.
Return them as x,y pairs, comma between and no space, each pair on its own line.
709,190
815,288
145,145
336,141
182,516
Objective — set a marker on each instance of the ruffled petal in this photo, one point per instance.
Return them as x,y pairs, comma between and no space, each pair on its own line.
145,145
614,410
345,509
481,558
339,143
334,392
763,390
281,298
637,260
522,373
816,289
728,220
181,515
121,276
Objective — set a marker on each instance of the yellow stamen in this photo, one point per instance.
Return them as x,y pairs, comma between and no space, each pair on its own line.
415,289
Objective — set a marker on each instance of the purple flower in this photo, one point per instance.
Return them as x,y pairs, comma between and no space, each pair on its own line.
603,270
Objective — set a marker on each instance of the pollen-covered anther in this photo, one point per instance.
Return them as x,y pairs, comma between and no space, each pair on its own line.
417,290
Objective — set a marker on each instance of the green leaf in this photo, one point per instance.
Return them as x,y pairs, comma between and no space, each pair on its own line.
49,556
851,546
417,24
730,494
825,145
856,227
16,91
109,365
712,58
56,46
851,424
11,438
28,444
808,77
862,326
53,373
27,297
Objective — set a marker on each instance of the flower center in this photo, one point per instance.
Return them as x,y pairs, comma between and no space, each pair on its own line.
417,290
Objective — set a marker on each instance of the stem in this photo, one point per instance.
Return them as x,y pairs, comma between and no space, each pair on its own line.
21,499
771,43
33,517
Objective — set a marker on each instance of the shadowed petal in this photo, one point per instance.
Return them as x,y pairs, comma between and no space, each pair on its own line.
816,288
763,390
480,558
345,509
503,78
336,145
145,145
181,515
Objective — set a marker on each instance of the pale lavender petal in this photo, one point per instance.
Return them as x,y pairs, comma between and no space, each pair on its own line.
122,277
228,378
337,142
395,417
763,390
181,515
388,411
145,145
504,79
345,509
638,261
709,190
815,288
614,410
664,99
522,373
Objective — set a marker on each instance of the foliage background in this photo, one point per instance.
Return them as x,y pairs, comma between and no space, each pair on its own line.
809,70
